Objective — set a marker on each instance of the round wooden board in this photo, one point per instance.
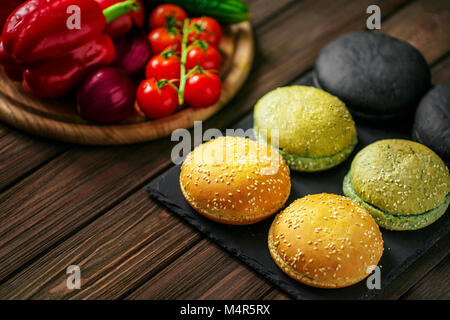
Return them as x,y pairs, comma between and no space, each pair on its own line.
58,119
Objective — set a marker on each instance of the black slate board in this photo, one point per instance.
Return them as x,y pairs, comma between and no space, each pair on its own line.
249,243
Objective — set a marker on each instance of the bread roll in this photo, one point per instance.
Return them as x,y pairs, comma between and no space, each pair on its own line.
325,241
235,180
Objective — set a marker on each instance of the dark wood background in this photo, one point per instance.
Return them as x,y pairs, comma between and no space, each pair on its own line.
64,204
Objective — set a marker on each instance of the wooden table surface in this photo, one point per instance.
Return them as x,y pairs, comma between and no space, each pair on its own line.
63,204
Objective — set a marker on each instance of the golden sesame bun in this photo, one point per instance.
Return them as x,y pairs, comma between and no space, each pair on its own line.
235,180
325,241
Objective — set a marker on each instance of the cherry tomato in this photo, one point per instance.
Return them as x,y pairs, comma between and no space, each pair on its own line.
207,57
202,89
163,38
163,66
161,15
156,99
207,29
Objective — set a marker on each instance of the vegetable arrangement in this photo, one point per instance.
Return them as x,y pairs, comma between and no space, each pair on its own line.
110,51
52,58
186,63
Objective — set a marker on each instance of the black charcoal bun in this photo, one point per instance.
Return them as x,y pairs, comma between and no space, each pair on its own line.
376,75
432,121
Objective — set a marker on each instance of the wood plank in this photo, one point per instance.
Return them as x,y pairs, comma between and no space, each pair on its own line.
417,271
276,294
204,272
261,10
434,286
423,24
3,130
140,152
21,154
131,234
68,193
441,71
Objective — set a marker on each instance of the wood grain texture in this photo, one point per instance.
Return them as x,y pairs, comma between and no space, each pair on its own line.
68,193
435,285
59,119
441,71
425,25
21,154
129,241
204,272
416,271
262,10
276,294
4,130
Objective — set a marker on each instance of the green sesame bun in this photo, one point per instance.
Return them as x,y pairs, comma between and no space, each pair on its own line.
403,184
315,129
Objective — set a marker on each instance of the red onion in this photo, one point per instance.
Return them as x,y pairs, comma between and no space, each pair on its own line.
106,96
133,53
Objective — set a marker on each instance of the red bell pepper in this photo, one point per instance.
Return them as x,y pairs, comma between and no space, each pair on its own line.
56,76
52,78
119,27
13,72
54,58
38,29
5,57
12,69
6,8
